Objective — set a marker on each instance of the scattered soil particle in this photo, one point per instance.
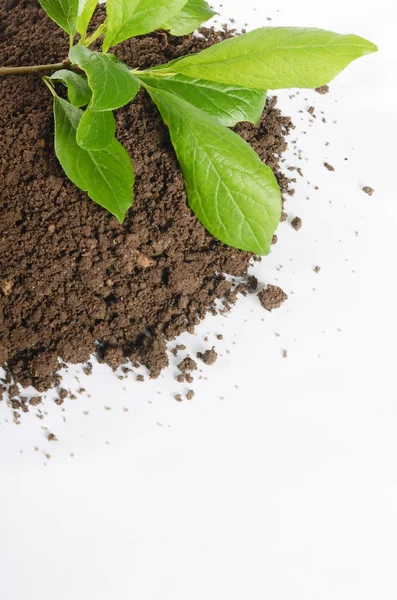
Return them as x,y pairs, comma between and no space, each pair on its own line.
63,393
51,437
284,353
71,275
311,110
178,348
140,378
283,217
187,365
317,269
190,394
178,397
368,190
329,167
272,297
88,369
296,223
323,89
274,240
252,283
218,337
35,401
208,357
13,391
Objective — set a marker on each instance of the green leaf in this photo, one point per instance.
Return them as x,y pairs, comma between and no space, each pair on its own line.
63,12
192,15
106,175
96,130
228,104
79,93
110,80
234,195
86,10
274,58
128,18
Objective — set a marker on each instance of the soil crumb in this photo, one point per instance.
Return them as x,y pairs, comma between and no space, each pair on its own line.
73,280
296,223
272,297
187,365
323,89
368,190
208,357
329,167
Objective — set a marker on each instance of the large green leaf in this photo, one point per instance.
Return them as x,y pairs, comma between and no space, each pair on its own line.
63,12
228,104
96,130
86,10
275,57
128,18
110,80
234,195
106,175
192,15
79,93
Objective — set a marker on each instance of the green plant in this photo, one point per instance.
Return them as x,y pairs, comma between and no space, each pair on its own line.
200,96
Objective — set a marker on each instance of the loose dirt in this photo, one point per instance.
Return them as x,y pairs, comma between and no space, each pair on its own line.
73,281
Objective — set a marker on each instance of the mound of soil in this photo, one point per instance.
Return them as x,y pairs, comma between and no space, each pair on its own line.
72,279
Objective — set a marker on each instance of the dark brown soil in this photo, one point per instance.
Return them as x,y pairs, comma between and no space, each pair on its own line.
272,297
296,223
70,275
368,190
208,357
324,89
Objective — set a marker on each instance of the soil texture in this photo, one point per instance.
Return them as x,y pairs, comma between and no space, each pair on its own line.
73,281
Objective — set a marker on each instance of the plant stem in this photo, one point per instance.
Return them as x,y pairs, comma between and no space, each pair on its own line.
35,69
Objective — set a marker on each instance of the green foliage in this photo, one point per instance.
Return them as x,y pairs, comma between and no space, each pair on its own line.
234,195
275,57
86,10
79,92
106,175
110,80
228,104
63,12
192,15
128,18
96,130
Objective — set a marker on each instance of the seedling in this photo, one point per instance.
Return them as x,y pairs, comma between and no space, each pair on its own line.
200,97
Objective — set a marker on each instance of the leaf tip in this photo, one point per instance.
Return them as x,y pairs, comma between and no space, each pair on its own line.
367,46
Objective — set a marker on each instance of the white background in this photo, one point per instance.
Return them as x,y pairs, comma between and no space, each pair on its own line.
287,487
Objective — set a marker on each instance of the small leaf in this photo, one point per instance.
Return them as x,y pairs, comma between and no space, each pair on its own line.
274,58
86,10
79,93
228,104
128,18
96,130
192,15
112,83
63,12
234,195
106,175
